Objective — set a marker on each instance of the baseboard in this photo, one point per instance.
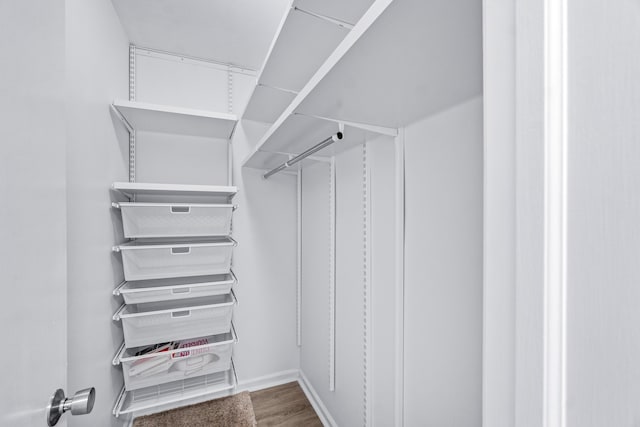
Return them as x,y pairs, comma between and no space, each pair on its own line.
267,381
316,402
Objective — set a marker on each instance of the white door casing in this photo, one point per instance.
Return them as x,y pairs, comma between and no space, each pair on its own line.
575,348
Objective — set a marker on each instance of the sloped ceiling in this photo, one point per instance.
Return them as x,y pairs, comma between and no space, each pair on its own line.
230,31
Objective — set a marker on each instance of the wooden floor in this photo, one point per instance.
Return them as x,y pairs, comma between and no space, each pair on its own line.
285,405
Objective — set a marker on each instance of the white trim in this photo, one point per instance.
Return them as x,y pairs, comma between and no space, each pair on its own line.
313,397
555,212
399,281
267,381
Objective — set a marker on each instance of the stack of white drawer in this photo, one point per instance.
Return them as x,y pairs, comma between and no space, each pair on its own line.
177,293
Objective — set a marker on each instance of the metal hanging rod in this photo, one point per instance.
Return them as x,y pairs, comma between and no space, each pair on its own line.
319,146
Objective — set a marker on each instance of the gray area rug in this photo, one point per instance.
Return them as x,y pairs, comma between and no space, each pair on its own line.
232,411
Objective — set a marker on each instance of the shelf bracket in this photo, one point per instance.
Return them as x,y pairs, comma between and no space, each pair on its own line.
121,118
334,21
116,358
116,291
118,404
281,89
116,316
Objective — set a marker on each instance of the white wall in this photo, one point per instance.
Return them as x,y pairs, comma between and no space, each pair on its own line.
314,351
349,270
603,272
380,157
345,403
180,159
265,261
97,155
165,157
161,80
443,268
33,212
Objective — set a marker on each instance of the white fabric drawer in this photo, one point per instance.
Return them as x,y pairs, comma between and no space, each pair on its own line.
158,322
145,261
152,220
178,360
143,291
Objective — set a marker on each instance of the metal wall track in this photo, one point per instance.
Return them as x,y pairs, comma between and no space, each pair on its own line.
367,294
132,97
332,275
299,260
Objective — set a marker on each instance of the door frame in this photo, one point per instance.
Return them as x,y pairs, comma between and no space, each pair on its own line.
524,366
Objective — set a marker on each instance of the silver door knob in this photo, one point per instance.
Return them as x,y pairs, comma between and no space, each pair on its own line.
81,403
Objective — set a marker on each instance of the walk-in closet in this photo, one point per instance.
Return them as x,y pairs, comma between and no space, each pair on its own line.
319,213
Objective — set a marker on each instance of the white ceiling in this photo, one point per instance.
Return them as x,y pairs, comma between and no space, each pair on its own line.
230,31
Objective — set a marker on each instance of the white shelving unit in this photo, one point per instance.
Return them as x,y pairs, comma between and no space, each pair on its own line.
306,37
167,296
370,84
131,189
142,116
188,228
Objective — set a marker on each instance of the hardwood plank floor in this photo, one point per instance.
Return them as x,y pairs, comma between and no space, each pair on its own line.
285,405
